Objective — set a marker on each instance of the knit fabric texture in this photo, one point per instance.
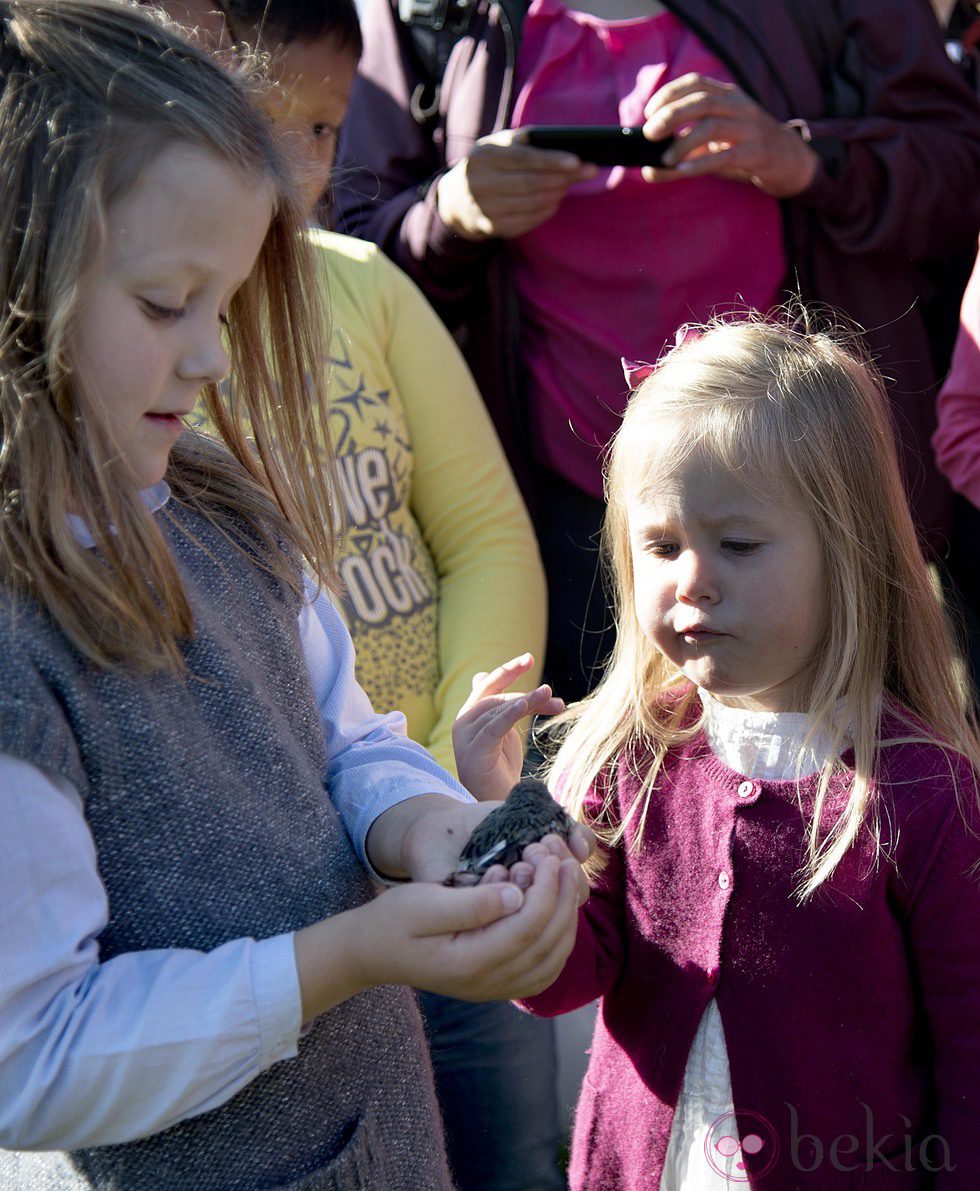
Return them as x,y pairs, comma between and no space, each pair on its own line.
206,797
852,1014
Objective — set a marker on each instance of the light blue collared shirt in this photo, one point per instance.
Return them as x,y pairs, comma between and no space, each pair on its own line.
97,1053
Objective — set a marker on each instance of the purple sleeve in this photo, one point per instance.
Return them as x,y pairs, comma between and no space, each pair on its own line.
388,165
591,969
944,926
957,438
910,181
597,957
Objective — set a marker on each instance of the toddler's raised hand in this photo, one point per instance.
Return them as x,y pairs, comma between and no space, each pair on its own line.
488,745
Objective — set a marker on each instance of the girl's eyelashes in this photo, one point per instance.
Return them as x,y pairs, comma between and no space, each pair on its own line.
172,313
155,310
736,546
324,130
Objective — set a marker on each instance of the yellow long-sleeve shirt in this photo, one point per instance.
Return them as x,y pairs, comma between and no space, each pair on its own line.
439,563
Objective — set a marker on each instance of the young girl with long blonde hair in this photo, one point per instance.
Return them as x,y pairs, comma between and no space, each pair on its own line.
780,765
197,989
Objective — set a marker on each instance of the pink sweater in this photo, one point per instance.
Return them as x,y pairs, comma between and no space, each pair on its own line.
622,264
852,1023
957,438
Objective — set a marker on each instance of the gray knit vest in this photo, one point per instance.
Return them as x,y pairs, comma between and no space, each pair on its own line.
206,798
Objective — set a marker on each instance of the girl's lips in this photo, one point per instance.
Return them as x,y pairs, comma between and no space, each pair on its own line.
169,426
698,634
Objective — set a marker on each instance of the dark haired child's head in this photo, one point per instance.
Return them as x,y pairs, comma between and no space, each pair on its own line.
313,51
281,22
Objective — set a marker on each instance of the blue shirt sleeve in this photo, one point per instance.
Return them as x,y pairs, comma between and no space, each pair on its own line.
93,1052
372,765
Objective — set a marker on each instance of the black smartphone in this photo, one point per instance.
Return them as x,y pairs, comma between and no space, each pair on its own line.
602,144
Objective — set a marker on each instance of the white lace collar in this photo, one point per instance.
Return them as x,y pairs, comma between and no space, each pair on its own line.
762,744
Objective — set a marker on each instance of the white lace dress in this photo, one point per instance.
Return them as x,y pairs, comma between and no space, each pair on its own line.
703,1153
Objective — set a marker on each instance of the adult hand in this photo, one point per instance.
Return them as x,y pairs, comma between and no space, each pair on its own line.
504,188
489,747
720,130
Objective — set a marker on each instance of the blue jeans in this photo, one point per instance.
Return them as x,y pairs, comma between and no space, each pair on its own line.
495,1073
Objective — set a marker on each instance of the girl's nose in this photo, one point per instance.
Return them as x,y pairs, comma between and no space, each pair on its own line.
205,358
696,582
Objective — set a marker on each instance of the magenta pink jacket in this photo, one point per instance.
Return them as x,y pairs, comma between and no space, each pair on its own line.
957,438
852,1023
904,187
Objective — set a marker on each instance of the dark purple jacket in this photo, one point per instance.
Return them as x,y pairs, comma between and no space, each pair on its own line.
855,1015
908,186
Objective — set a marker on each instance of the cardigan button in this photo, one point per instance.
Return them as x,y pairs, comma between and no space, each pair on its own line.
724,880
746,789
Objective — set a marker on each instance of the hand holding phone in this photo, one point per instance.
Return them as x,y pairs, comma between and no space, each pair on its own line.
601,144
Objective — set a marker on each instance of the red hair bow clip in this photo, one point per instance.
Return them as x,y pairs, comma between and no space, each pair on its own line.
636,371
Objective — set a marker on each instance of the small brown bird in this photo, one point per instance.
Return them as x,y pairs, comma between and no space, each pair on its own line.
528,814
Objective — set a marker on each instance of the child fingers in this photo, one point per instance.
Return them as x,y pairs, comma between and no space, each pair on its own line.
554,845
542,956
521,874
495,874
507,714
550,844
582,890
579,846
541,901
524,939
498,714
558,934
541,701
494,962
581,842
498,680
531,932
443,911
